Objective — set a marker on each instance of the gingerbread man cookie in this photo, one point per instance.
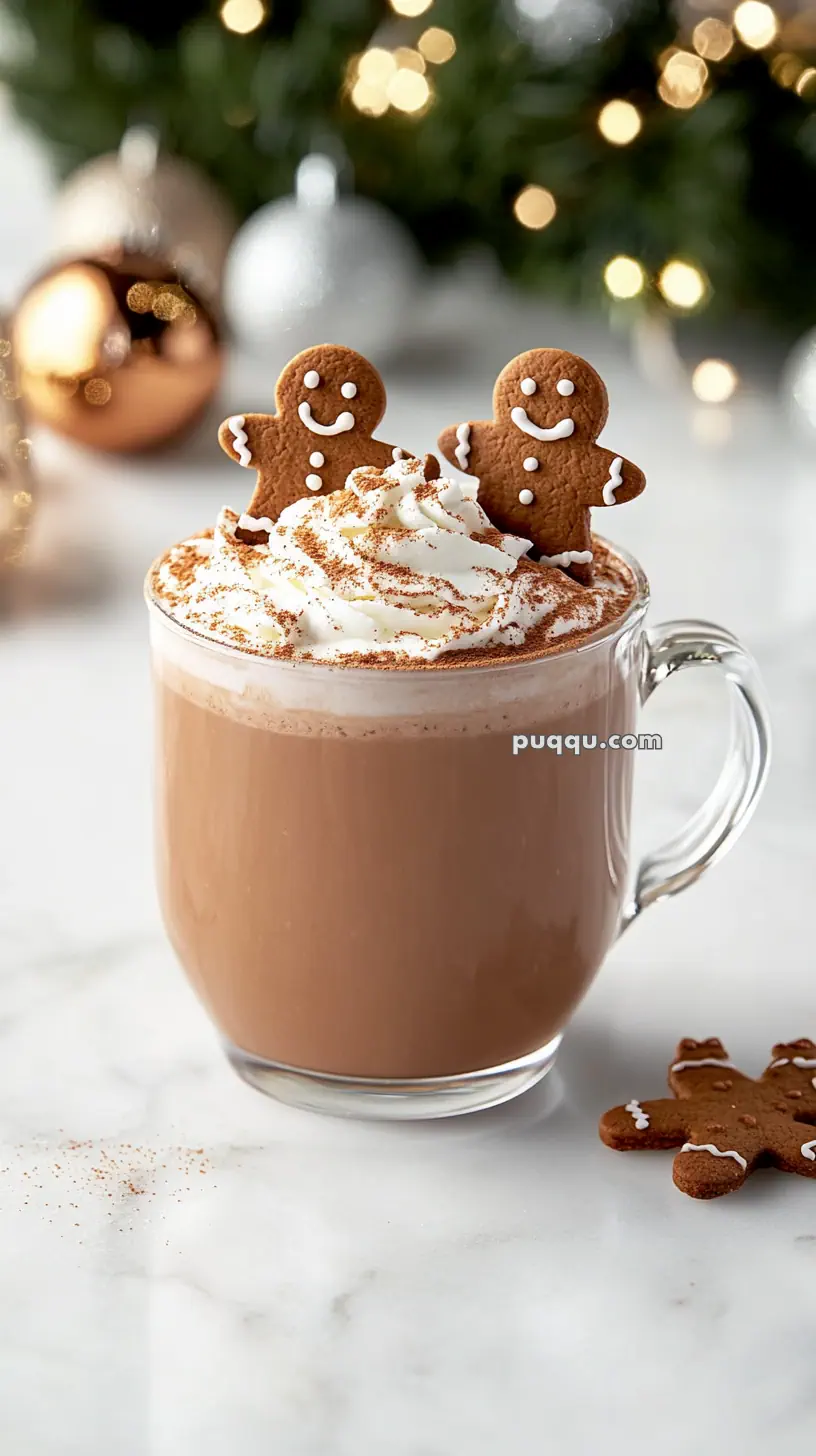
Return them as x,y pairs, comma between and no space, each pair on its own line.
725,1123
538,465
329,401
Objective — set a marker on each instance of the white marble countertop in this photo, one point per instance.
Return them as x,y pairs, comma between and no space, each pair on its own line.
187,1268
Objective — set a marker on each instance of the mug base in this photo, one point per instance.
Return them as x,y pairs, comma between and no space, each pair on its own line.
389,1099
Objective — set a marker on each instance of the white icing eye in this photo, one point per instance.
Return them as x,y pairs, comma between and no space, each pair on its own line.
531,463
565,386
348,390
526,497
312,379
316,458
313,482
528,386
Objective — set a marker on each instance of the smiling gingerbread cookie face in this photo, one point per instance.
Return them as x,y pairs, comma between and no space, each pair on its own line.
329,401
548,395
333,392
539,467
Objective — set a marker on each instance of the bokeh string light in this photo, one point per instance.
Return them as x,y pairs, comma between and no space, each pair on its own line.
410,8
712,39
624,277
437,45
714,381
619,122
243,16
756,24
535,207
683,79
682,284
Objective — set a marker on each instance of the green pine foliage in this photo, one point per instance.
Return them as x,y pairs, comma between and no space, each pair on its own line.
726,184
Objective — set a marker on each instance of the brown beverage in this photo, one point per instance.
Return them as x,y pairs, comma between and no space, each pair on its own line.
397,893
360,875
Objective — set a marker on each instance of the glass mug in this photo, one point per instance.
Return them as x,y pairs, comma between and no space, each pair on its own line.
389,906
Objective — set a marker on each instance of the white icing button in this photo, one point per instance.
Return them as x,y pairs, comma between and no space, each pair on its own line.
348,391
312,379
526,497
528,386
314,482
531,463
316,458
565,386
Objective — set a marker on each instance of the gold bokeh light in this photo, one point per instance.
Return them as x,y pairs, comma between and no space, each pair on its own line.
683,80
410,8
409,60
369,99
681,284
714,381
534,207
437,45
243,16
408,91
624,277
376,66
756,24
619,122
712,39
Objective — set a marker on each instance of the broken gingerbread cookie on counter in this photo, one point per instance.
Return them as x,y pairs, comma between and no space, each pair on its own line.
539,467
724,1123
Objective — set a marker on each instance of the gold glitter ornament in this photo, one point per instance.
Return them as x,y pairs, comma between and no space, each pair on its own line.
17,484
118,352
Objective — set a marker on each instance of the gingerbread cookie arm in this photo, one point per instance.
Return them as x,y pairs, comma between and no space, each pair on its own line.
608,479
464,445
248,439
253,441
661,1123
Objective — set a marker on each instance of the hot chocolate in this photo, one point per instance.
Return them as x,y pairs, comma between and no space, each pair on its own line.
357,873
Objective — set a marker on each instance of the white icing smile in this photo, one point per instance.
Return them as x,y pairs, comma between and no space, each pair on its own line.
615,479
344,421
239,438
715,1152
523,422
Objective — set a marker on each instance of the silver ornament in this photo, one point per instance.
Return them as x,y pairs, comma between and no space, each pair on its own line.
317,268
561,29
799,386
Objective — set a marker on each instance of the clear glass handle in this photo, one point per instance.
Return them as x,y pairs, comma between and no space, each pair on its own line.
714,827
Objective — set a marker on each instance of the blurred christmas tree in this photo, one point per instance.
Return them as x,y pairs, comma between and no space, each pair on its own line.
600,147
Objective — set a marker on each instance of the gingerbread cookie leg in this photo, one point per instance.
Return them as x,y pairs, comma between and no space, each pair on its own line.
715,1159
574,553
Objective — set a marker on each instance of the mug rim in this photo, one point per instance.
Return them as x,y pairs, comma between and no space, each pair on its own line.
612,630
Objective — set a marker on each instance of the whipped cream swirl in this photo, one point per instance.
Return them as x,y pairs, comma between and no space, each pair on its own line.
393,565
